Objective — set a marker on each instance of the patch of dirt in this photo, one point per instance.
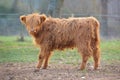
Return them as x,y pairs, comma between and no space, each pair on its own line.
25,71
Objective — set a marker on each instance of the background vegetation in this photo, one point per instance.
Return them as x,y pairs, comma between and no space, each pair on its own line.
106,11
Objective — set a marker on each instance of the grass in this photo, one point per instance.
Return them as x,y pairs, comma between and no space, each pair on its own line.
13,51
110,50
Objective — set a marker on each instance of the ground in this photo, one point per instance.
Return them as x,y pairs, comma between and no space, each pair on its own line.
61,71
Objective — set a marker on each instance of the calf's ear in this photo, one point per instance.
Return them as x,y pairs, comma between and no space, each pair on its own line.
42,18
23,19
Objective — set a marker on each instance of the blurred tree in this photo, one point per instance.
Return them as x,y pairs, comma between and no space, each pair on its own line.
54,7
21,37
104,21
37,5
31,5
14,9
14,6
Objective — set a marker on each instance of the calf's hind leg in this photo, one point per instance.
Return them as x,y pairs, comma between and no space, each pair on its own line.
95,44
96,57
84,61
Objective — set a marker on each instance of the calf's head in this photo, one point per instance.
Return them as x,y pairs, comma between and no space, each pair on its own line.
33,22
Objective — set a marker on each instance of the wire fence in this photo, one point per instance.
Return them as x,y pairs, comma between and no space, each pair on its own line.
10,24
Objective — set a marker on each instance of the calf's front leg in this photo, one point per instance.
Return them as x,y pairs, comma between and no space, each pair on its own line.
41,58
48,54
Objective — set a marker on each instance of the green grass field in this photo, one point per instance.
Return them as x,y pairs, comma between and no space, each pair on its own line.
14,51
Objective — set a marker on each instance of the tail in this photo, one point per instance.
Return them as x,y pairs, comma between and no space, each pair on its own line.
97,31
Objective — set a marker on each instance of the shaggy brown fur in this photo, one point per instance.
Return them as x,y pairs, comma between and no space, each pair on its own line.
54,33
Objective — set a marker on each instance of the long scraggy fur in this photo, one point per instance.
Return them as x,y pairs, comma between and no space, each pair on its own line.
56,33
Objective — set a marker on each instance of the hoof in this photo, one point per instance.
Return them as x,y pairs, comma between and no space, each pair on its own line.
37,70
80,69
44,68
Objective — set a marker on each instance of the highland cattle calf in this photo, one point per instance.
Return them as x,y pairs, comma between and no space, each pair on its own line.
55,33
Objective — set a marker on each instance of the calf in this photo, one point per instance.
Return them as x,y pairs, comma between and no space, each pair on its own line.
55,33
